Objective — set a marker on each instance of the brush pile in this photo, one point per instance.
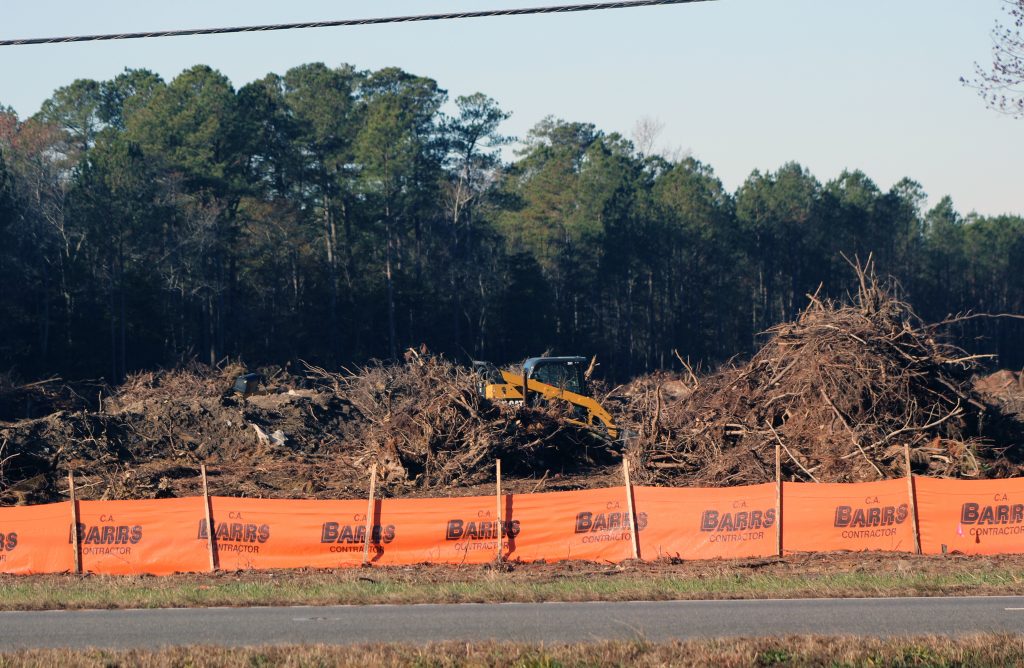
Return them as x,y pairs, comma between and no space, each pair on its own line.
314,435
42,397
150,438
841,391
426,425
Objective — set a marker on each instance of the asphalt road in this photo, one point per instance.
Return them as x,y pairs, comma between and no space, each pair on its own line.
547,622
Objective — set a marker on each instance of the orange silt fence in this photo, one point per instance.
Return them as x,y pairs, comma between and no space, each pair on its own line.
587,524
126,537
707,523
971,516
34,539
161,536
265,533
590,524
444,531
284,533
832,517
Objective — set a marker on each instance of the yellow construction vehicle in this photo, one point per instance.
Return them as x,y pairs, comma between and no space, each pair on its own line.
547,379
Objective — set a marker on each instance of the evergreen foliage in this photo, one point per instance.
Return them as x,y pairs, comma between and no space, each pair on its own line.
336,215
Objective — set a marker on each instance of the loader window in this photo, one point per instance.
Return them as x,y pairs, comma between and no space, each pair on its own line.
564,376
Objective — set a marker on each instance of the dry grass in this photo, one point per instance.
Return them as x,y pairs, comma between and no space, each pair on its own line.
978,650
805,576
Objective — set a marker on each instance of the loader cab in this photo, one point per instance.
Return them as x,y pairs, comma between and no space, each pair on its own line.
566,373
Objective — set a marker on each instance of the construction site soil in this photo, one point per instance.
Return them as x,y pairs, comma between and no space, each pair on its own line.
843,390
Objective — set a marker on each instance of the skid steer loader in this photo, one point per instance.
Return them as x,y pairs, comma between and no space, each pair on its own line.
547,379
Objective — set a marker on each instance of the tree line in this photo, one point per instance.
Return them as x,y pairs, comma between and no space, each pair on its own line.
335,215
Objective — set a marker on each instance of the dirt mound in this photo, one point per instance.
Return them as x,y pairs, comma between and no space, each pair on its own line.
842,390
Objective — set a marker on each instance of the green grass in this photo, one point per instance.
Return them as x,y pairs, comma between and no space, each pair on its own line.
979,650
839,576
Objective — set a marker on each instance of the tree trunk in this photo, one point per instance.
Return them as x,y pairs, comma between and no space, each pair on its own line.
392,335
122,358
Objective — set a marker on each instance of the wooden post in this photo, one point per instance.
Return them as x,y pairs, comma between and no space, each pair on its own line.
74,523
633,524
778,499
209,521
910,496
501,525
369,515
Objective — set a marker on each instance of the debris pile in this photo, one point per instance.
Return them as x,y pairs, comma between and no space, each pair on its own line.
841,391
426,424
20,400
152,435
314,435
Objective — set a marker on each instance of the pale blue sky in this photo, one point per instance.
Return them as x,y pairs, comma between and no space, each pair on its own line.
741,84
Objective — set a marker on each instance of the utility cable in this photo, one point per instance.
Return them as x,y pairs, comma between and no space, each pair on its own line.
554,9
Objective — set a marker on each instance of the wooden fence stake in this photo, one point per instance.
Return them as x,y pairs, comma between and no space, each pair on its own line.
634,526
369,515
778,499
910,497
501,525
209,521
74,523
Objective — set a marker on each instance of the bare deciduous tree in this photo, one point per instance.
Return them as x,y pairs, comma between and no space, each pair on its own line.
1002,84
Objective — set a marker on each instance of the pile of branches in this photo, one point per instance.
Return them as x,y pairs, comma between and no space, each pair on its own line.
144,389
425,424
841,391
315,435
155,431
20,400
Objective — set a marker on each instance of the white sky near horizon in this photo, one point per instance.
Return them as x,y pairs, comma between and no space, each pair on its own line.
739,84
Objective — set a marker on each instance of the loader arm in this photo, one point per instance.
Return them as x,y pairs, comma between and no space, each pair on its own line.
512,390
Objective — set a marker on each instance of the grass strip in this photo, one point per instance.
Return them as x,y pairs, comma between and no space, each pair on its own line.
797,577
976,650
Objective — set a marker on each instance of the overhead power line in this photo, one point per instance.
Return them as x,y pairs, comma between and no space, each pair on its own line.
555,9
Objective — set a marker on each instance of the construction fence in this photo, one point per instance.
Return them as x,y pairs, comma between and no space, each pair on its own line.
161,536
